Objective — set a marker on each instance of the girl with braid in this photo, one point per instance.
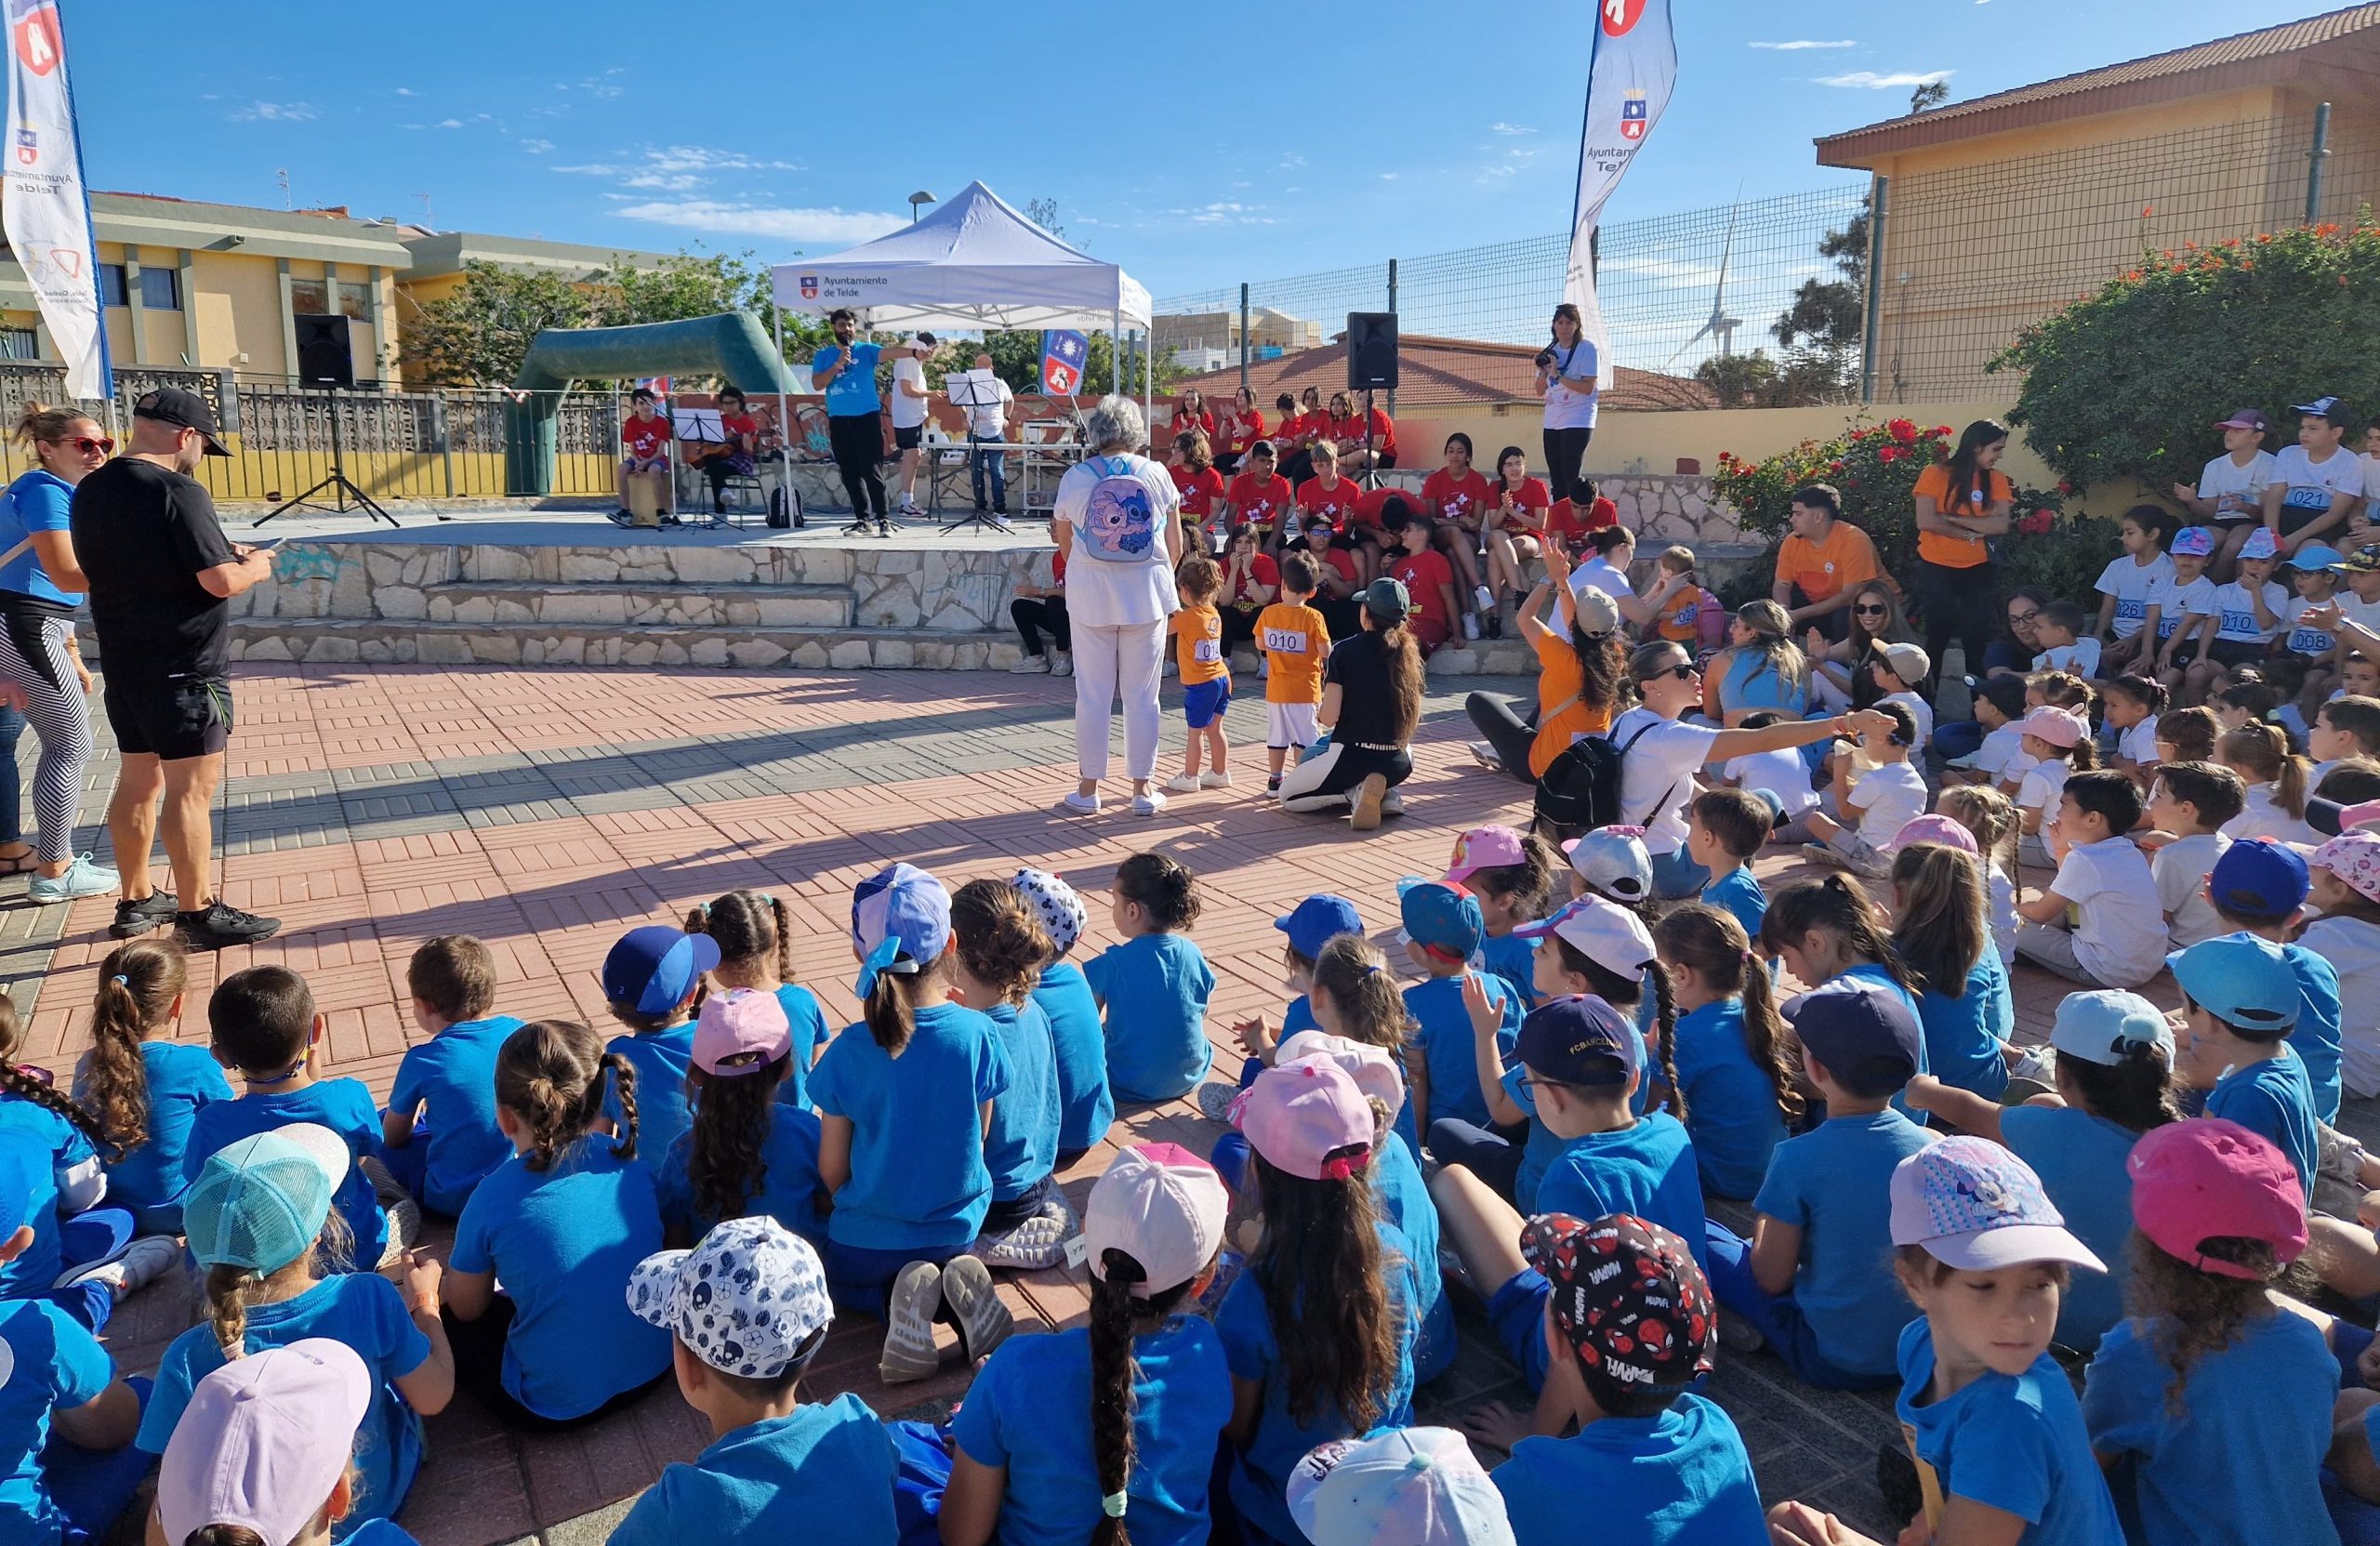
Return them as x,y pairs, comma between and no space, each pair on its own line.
143,1088
272,1248
1107,1432
563,1223
755,937
1735,1059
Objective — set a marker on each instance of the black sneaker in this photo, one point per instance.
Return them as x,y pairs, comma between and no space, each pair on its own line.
219,924
135,918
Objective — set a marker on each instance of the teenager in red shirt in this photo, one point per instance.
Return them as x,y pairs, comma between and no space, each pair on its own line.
1250,581
1262,497
1297,437
1192,412
1427,577
644,440
1566,523
1516,509
1199,484
1368,421
1242,428
1334,498
1456,496
1336,601
733,457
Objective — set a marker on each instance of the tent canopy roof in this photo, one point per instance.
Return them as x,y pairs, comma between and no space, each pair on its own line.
974,263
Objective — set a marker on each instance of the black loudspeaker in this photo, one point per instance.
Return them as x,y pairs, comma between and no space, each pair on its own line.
325,351
1371,350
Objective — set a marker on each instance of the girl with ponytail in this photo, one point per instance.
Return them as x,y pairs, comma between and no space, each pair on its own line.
276,1472
1107,1432
563,1223
274,1252
1942,933
1825,929
754,932
998,948
1735,1059
749,1153
143,1088
2278,783
905,1101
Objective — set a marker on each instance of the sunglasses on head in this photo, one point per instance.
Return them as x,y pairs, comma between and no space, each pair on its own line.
1683,670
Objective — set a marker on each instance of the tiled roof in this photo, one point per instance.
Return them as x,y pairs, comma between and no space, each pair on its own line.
1441,372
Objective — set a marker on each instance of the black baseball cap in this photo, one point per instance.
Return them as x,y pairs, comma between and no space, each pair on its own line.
187,409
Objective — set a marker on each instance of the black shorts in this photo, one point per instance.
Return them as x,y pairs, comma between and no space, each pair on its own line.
172,718
909,439
1384,460
2235,652
2184,656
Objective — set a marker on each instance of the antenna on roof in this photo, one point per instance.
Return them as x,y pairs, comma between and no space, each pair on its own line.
424,210
281,175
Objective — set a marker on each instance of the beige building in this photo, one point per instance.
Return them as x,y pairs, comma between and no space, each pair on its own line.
1997,211
1219,332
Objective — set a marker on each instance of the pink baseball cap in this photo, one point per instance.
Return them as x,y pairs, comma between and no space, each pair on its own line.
1975,1207
2354,857
1163,1207
1608,934
1935,829
1483,848
2054,725
1372,1068
264,1440
2206,1177
741,1031
1307,1117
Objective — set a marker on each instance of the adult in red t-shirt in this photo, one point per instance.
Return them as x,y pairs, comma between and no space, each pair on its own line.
1517,506
1371,422
1428,578
1242,426
1565,524
1457,496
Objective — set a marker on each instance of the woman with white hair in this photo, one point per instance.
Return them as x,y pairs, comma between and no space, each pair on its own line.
1115,524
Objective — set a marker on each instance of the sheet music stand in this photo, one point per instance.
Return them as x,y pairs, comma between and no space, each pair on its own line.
970,389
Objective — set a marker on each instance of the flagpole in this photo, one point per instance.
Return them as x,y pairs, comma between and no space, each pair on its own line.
81,172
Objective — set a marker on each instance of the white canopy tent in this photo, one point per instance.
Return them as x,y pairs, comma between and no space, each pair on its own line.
973,264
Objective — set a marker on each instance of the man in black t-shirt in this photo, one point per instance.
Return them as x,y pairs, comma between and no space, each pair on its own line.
162,572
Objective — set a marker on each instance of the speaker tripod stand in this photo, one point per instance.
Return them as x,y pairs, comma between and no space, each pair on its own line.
342,488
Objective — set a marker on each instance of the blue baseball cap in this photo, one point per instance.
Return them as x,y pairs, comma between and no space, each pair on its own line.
904,905
653,968
2321,407
1579,1039
20,1166
2315,556
2101,1025
2241,980
2258,878
1441,918
259,1203
1864,1032
1317,921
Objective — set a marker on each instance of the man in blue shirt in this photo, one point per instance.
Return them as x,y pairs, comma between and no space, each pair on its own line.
845,371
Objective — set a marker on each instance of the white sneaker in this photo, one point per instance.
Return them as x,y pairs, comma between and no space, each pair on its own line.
1032,665
1148,804
1214,781
1081,804
1485,598
1061,664
1470,626
1391,804
1181,784
140,1262
1483,753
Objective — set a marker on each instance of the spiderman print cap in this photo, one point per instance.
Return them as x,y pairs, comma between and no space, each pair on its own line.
1627,1296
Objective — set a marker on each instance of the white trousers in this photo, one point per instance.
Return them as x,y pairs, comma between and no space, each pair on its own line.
1125,656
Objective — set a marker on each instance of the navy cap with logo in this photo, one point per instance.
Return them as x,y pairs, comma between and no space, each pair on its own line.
2321,407
185,410
1579,1039
653,968
1864,1031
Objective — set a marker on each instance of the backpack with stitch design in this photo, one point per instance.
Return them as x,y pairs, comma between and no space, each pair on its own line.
1120,519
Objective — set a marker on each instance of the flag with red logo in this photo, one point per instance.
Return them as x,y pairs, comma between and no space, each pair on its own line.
44,209
1633,65
1064,356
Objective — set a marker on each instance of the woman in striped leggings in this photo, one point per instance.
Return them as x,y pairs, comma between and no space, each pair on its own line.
41,585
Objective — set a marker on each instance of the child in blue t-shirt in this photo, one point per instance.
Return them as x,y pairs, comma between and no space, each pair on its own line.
1807,1280
1727,831
905,1098
1734,1063
266,1029
68,1465
1133,1403
997,949
653,980
439,1136
1942,938
264,1235
145,1088
1309,926
1623,1329
2240,1000
748,1154
2260,887
1998,1433
745,1313
1086,1106
561,1224
754,933
2113,1065
2217,1436
1511,874
1444,928
1154,985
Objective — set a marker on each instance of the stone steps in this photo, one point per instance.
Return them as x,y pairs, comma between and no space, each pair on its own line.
379,640
529,604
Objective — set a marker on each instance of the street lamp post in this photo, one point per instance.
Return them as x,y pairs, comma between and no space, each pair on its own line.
917,201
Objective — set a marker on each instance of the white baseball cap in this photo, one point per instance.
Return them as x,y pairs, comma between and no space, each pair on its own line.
1607,934
1163,1207
1412,1487
1374,1071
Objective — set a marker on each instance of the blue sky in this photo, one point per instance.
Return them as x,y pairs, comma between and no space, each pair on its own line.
1197,145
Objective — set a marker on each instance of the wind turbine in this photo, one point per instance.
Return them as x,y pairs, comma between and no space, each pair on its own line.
1720,325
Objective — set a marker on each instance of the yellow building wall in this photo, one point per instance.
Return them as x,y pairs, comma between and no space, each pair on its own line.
236,304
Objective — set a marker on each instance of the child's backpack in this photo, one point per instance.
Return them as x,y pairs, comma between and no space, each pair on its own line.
1710,623
1579,790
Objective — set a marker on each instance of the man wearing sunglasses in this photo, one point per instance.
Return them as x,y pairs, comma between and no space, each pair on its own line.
1822,563
162,574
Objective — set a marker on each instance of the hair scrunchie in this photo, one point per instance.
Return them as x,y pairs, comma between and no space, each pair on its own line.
1113,1504
121,981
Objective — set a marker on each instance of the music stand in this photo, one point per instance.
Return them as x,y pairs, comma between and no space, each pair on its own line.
970,389
342,487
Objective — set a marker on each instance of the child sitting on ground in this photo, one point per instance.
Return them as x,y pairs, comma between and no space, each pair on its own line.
1680,620
2132,704
755,937
1735,1064
1197,632
1155,985
653,982
998,949
2248,698
1725,831
1296,644
1443,924
1806,1282
2117,934
1998,705
1086,1106
2276,780
268,1452
439,1136
1782,773
144,1087
1886,796
2129,585
2315,579
2239,1003
2188,735
1344,1489
1511,874
1611,864
2060,743
2260,888
2345,877
2066,640
1989,818
1943,936
83,1256
748,1154
2187,805
746,1311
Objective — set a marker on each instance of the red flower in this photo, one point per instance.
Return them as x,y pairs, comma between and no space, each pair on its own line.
1889,454
1726,455
2146,211
1836,465
1939,431
2035,523
2065,487
1902,431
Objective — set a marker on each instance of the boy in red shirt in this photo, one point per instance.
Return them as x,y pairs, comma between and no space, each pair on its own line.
1197,630
1261,497
1427,577
645,437
1334,498
1573,520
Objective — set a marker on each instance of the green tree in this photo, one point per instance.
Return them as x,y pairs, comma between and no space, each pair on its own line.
1739,380
1823,328
479,334
1929,94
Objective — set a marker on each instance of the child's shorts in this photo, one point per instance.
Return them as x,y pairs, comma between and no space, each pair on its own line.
2183,656
2234,652
646,464
1289,726
1203,703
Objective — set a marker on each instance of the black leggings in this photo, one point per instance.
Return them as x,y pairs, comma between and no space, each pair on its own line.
479,1369
1510,735
1958,603
1239,626
858,442
1035,615
1565,452
1339,768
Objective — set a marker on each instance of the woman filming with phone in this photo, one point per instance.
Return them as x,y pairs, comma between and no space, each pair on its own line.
1566,373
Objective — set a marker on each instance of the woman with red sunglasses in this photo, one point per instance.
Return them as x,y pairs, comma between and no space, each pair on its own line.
40,584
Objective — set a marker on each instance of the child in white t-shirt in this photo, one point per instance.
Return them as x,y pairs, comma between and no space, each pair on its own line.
2133,706
1878,804
2249,614
2314,575
2176,601
2067,645
1999,703
2187,805
2129,582
1991,816
1783,774
2231,491
2119,936
2345,875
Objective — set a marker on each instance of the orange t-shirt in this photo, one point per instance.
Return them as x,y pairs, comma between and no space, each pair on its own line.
1958,552
1559,679
1296,642
1683,621
1198,644
1823,569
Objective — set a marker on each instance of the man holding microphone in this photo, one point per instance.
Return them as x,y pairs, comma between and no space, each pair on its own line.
845,371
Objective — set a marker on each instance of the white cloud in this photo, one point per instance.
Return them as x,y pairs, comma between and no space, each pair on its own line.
1500,128
537,146
676,168
791,225
282,112
407,91
449,124
1221,213
1291,162
1868,80
1390,176
1797,45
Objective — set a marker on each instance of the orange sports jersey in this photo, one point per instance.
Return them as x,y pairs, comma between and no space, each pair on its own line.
1297,645
645,438
1682,622
1198,644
